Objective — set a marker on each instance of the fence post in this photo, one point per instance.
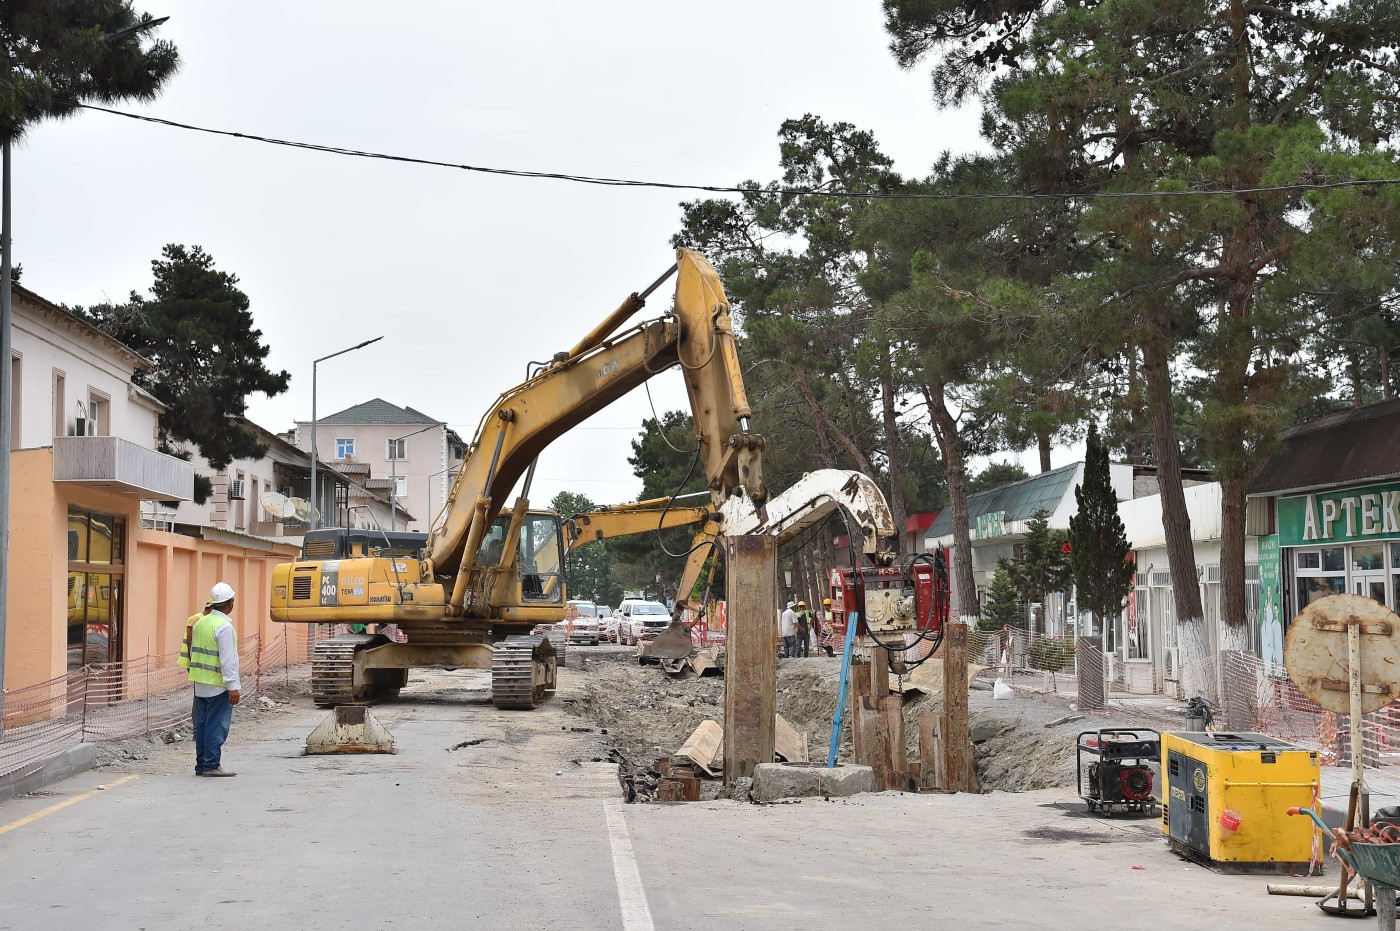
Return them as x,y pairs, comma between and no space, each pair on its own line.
148,685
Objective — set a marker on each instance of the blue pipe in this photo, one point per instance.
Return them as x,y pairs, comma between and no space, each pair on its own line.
851,624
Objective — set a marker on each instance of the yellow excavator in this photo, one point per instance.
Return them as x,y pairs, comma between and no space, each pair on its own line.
488,573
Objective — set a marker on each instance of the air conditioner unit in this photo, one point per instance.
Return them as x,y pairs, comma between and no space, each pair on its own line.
235,490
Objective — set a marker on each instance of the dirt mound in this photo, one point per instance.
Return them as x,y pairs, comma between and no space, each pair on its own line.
647,715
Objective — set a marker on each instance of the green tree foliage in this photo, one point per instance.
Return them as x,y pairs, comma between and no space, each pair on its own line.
995,475
58,55
1003,607
1100,561
663,454
1193,95
794,267
197,328
589,570
1040,567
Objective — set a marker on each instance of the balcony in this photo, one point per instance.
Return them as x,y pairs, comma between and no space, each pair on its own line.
117,465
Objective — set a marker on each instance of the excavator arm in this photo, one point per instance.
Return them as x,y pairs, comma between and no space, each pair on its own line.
601,368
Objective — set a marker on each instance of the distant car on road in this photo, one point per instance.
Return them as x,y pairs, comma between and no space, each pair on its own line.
582,620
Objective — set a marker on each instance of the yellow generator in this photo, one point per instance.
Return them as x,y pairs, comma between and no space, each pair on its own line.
1227,797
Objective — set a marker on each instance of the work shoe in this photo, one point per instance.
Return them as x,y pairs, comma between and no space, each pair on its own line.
219,771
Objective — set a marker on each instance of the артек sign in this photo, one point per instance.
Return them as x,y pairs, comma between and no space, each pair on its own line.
1340,516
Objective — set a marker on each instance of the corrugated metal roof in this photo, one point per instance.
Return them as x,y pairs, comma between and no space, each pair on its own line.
379,411
1356,445
1019,500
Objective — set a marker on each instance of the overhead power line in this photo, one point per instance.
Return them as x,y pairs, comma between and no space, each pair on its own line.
734,189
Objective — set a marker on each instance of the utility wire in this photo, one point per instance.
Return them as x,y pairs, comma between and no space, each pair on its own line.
756,191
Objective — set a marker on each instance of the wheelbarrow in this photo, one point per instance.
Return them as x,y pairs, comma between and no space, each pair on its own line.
1335,903
1378,864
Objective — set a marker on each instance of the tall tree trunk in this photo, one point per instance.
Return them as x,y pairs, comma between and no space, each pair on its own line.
894,448
829,425
1042,439
1387,392
945,431
1176,520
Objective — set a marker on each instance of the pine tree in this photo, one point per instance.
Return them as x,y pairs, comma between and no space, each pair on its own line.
1003,608
197,328
1040,567
58,54
1099,559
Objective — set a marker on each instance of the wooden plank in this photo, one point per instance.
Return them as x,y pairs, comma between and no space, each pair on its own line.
750,665
790,745
954,728
879,671
892,712
705,747
859,689
928,729
877,742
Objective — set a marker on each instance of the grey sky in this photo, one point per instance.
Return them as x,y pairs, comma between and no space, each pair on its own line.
467,276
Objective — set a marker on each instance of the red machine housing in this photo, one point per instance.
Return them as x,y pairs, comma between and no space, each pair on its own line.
928,575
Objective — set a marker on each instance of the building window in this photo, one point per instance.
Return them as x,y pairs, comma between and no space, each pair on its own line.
344,448
100,413
1319,573
16,408
395,449
60,421
400,486
96,572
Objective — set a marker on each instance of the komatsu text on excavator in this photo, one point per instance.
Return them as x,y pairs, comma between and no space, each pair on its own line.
488,573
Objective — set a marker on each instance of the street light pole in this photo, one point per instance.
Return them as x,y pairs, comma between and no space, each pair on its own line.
6,386
394,475
315,453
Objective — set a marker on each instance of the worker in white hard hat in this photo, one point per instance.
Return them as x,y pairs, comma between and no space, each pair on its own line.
211,655
787,626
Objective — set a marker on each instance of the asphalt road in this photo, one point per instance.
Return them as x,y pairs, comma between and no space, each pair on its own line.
488,836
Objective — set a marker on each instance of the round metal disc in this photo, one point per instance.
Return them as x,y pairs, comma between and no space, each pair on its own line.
1316,652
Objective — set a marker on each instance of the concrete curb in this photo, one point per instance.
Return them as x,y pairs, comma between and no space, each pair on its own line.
772,781
36,776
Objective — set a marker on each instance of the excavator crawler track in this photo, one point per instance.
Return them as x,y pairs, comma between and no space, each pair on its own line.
522,673
333,673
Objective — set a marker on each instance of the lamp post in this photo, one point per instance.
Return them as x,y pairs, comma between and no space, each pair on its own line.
6,388
394,474
432,515
315,454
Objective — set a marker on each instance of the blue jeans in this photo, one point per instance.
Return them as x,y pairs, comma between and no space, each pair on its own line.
212,717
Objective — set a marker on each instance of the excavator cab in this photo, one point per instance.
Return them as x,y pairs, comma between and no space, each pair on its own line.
539,555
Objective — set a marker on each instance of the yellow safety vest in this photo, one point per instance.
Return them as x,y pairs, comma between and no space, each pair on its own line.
201,652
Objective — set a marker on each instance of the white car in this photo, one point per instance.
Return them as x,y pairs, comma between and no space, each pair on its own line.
583,625
645,619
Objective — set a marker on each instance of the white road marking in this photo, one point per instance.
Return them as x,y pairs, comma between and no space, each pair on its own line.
636,914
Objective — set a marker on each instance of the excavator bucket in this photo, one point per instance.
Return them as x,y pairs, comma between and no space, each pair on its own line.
350,729
673,643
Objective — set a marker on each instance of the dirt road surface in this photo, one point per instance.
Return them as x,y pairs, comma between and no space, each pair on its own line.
488,819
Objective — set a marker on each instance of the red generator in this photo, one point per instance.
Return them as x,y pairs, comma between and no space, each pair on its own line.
925,574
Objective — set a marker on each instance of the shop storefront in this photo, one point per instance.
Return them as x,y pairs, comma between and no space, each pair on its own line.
1326,507
1340,541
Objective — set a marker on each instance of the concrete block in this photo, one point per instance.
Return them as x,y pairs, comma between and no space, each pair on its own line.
772,781
70,762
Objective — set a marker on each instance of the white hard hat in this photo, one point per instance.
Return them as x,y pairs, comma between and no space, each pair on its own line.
792,604
221,592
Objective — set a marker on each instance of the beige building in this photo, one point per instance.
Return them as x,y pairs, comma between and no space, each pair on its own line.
417,454
89,585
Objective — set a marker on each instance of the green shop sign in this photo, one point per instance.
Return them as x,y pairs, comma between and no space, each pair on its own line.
989,525
1340,516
